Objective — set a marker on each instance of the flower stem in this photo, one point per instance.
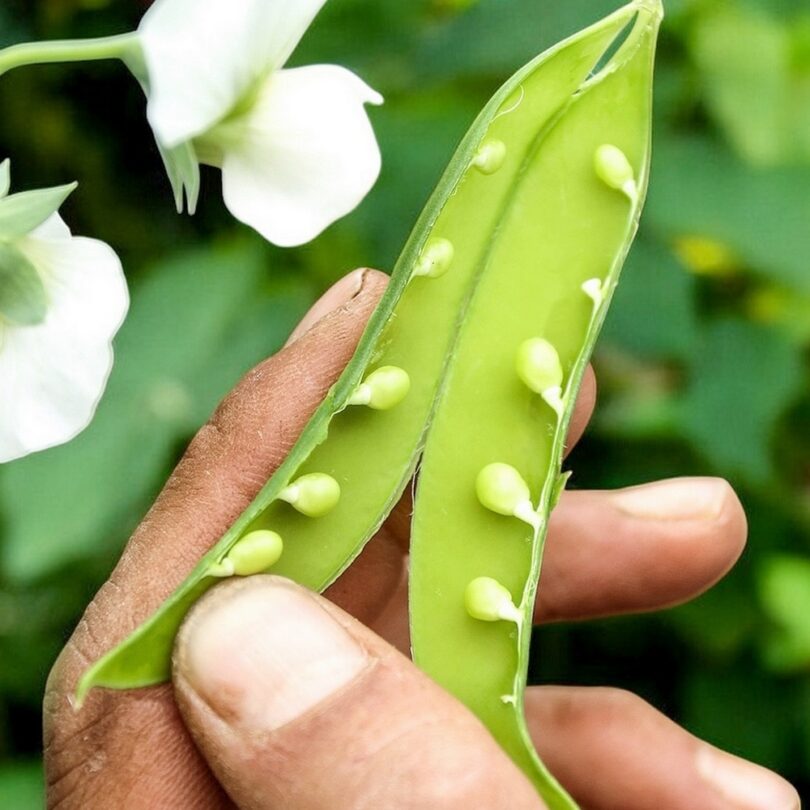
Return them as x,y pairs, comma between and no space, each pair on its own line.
122,46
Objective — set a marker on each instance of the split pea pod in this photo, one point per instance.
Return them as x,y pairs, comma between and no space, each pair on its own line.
474,355
490,472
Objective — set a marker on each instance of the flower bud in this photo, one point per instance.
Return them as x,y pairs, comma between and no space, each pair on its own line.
313,495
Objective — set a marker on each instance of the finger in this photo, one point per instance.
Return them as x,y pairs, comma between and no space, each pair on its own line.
583,409
139,737
640,548
610,749
335,297
632,550
296,705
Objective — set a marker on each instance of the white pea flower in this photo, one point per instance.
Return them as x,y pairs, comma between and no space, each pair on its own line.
62,299
295,146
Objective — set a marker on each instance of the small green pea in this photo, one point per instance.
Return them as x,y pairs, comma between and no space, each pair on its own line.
595,290
489,601
383,389
490,156
253,554
501,488
436,258
538,365
614,169
313,495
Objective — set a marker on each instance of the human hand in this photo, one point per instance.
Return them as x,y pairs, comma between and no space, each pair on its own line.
285,699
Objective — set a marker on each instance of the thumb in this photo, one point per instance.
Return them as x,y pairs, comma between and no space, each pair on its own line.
296,705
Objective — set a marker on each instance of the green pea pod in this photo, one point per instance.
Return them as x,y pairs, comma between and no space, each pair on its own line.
528,210
507,398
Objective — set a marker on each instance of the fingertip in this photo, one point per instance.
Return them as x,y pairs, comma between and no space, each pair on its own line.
267,672
586,403
341,293
262,651
612,749
668,541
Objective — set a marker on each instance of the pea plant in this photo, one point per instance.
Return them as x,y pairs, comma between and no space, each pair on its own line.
466,376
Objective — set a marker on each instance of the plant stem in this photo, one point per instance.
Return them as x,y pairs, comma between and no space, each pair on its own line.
79,50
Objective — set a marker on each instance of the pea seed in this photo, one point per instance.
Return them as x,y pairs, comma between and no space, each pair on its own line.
253,554
314,495
436,259
383,389
487,600
614,169
490,157
502,489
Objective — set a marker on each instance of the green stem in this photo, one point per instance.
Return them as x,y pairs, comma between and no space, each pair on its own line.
122,47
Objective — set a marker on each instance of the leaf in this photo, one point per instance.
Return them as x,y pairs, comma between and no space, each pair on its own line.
743,379
721,623
24,212
85,497
653,314
741,711
761,214
744,59
23,301
496,36
784,591
22,785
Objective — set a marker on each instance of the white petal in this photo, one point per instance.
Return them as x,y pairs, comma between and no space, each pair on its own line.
203,56
52,375
53,228
307,154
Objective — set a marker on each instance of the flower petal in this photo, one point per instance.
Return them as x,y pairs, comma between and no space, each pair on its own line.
204,57
304,156
53,228
52,375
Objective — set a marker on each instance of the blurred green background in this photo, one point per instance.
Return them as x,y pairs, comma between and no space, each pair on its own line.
703,366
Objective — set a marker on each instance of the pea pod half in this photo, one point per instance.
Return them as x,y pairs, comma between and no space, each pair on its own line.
474,356
490,471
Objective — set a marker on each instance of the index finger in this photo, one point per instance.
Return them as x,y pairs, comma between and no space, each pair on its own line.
142,742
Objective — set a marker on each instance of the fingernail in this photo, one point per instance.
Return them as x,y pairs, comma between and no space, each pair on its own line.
676,499
335,297
742,784
263,652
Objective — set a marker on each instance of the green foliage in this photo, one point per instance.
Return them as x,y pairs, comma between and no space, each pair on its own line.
739,362
785,593
701,189
703,369
21,786
755,73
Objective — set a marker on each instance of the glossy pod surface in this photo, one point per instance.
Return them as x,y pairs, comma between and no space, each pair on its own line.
526,214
